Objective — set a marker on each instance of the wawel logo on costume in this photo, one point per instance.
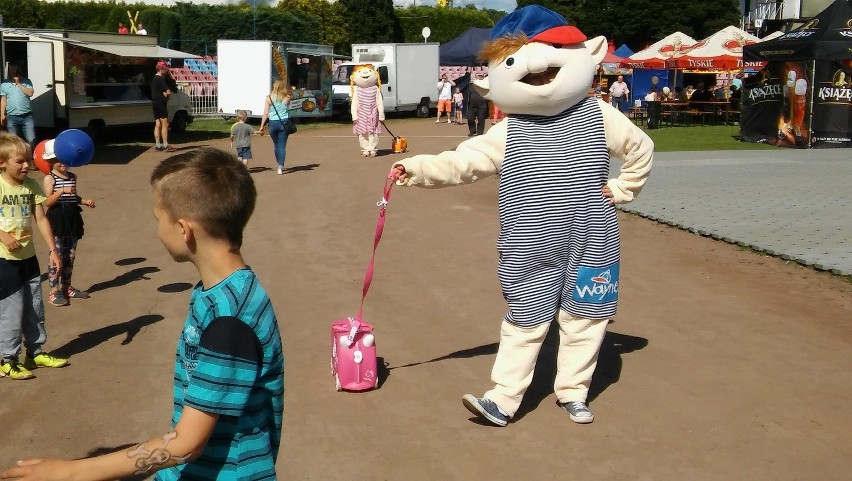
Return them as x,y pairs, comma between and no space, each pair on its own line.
766,92
596,285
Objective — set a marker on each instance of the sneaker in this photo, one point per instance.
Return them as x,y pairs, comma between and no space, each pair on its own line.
245,163
15,371
280,170
449,121
74,293
57,299
44,360
578,412
485,408
437,121
157,148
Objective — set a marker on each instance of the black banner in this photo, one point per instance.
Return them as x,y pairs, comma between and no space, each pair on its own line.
832,107
775,105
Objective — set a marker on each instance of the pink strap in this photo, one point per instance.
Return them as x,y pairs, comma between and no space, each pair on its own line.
380,227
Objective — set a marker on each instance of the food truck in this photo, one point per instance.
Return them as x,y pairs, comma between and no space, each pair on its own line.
91,80
247,69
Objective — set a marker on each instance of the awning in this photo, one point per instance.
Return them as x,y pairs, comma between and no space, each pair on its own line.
131,50
299,51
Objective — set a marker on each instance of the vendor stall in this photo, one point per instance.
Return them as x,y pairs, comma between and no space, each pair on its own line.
803,95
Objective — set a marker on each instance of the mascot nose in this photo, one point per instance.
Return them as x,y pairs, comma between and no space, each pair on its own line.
537,63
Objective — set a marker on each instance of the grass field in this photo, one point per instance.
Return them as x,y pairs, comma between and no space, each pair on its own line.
667,139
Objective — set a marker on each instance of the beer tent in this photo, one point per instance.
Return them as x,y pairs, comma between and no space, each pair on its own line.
803,95
656,56
722,51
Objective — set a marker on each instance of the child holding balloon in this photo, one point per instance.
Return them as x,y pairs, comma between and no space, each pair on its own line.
21,306
63,212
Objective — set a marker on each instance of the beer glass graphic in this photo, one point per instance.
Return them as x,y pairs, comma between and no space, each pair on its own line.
789,90
800,90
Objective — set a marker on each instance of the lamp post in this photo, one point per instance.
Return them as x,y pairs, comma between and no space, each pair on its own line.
254,20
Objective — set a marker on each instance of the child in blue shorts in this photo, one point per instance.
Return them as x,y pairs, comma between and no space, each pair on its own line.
229,369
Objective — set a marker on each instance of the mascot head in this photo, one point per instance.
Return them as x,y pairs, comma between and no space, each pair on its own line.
537,63
364,75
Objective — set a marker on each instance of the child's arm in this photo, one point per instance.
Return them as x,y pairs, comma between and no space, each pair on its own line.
52,197
629,143
182,445
47,234
9,240
472,160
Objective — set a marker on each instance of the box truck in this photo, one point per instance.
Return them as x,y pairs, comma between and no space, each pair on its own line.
247,69
91,80
409,73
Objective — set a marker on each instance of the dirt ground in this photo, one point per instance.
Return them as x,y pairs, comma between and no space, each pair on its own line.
722,363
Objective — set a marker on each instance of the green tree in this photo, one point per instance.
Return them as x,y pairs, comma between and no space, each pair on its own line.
639,23
22,14
372,21
445,23
331,17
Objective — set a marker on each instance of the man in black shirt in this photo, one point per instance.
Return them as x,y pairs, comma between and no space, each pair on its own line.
477,110
160,93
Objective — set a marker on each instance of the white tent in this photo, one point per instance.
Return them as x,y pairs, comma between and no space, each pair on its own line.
657,55
721,51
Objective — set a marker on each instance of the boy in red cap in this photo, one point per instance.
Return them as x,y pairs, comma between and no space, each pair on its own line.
559,246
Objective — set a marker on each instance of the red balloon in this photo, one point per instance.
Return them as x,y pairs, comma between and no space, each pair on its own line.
38,155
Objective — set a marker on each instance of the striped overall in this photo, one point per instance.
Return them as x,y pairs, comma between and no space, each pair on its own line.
368,112
559,244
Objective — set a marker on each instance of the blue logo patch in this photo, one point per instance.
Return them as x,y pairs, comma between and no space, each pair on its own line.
596,285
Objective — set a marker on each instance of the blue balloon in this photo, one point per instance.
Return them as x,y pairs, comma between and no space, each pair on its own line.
74,148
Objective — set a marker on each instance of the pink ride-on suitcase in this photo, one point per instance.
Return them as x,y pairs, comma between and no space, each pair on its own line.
353,355
354,363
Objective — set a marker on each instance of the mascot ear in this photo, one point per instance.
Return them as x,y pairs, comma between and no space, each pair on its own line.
597,46
483,87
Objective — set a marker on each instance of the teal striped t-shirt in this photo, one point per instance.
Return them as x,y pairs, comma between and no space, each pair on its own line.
230,362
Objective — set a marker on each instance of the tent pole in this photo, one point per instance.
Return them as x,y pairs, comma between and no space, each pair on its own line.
811,123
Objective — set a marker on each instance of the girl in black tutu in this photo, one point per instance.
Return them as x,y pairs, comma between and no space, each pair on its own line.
63,203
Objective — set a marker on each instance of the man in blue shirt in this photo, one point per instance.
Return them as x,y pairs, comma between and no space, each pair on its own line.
15,110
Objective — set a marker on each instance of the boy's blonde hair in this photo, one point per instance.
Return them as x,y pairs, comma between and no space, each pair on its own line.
241,115
208,186
11,145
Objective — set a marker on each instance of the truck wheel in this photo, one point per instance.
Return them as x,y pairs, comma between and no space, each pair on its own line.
423,111
96,130
179,123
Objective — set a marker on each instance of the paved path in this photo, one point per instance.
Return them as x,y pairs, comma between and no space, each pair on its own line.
790,203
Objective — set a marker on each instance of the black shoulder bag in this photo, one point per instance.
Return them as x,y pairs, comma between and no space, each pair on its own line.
288,124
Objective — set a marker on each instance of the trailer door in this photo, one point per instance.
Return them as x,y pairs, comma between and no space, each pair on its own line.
40,72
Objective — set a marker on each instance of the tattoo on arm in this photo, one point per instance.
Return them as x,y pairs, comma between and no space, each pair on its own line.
146,461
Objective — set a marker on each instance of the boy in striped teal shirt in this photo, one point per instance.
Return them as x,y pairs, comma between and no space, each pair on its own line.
229,369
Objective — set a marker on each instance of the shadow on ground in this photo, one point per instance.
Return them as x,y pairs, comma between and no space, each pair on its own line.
88,340
133,275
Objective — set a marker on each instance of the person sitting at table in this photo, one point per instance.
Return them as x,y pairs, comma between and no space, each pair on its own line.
700,94
652,95
721,93
678,95
689,91
736,95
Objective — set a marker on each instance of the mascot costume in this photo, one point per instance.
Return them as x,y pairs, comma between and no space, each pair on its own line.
559,244
367,107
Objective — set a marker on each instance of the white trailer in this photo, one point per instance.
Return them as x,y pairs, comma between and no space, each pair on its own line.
247,69
91,80
409,73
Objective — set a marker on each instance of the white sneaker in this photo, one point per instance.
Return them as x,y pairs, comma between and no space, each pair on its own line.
280,170
437,121
578,412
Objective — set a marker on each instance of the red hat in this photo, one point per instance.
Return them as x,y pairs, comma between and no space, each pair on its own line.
162,64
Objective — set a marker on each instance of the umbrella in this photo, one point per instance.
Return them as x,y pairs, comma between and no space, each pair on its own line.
656,56
720,52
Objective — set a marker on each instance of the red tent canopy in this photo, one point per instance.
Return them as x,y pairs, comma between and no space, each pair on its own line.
657,55
721,51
